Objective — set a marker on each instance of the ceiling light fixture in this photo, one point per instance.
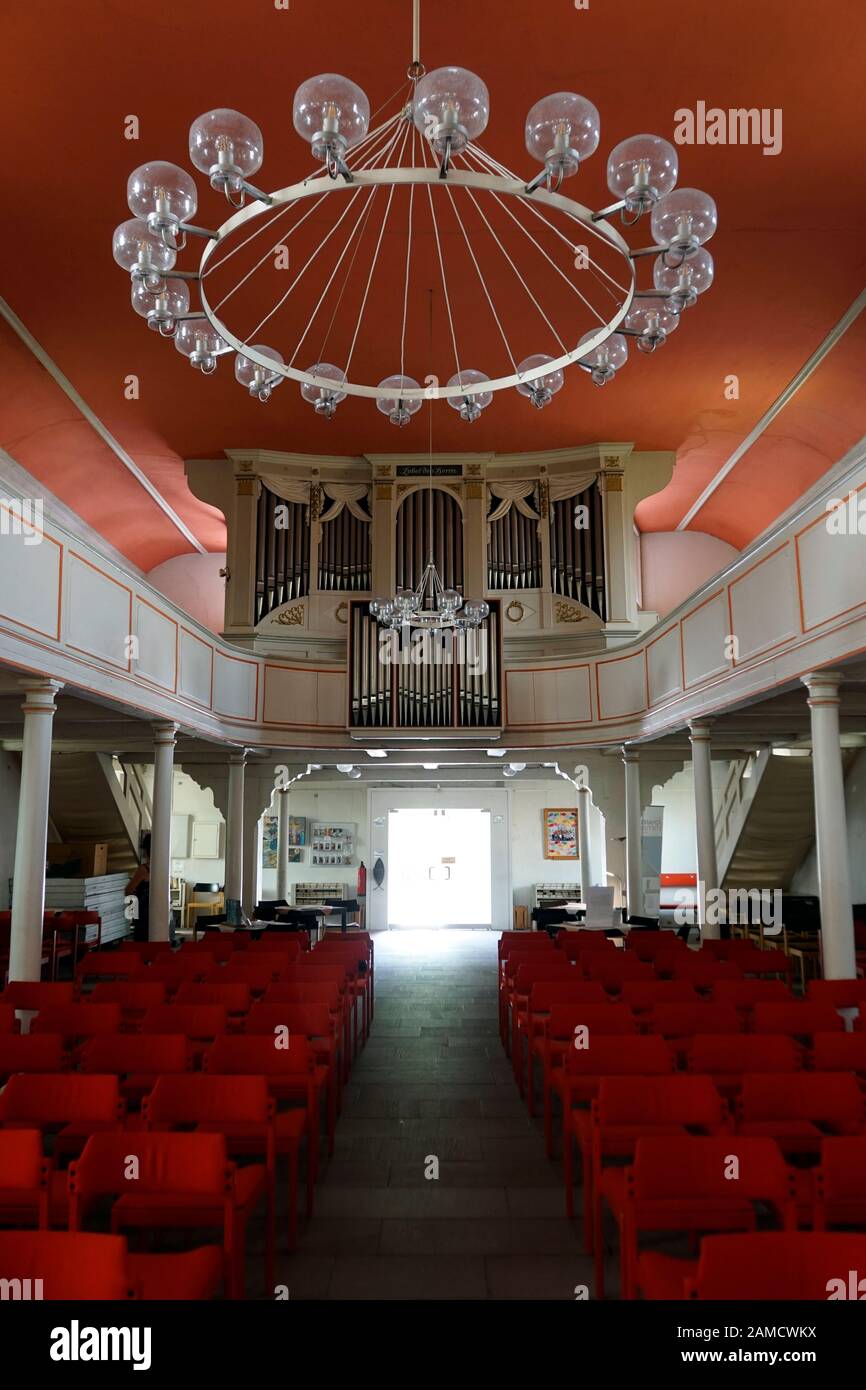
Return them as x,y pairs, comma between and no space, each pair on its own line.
425,159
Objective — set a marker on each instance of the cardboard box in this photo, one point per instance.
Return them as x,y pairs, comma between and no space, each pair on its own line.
87,859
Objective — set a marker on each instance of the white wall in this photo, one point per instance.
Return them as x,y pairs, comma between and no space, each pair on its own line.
193,582
342,802
189,799
679,850
9,783
805,880
528,864
676,563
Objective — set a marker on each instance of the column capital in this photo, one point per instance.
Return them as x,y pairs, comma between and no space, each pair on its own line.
39,695
823,687
165,733
238,757
630,754
700,730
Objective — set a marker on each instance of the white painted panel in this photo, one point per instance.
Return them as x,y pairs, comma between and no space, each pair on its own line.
831,571
764,605
521,697
544,685
704,634
97,612
290,696
29,577
331,699
196,668
157,646
572,696
664,670
234,687
621,686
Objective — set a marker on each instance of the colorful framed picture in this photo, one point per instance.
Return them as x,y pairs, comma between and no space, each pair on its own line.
296,854
560,833
297,834
270,841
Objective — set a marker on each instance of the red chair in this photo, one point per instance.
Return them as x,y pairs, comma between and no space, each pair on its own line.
256,978
65,1103
235,995
838,994
109,965
201,1023
728,1059
77,1021
790,1109
745,994
220,945
776,1265
646,945
134,998
614,971
800,1020
679,1023
182,1181
563,1032
8,1019
629,1108
316,1023
24,1176
139,1060
292,1075
703,971
840,1184
515,992
543,996
32,995
175,969
147,951
690,1184
239,1108
764,963
54,1265
643,995
33,1052
839,1052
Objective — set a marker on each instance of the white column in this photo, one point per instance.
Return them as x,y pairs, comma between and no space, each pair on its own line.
235,833
631,760
584,801
252,848
705,822
28,892
159,918
283,845
831,829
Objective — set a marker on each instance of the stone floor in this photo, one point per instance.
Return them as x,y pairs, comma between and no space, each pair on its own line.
431,1084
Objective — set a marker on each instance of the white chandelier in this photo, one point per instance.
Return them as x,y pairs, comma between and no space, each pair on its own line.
512,236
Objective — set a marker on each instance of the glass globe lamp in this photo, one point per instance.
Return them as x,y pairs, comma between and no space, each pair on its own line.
142,252
331,113
543,388
451,107
323,400
197,341
685,281
160,308
226,146
641,169
163,195
398,410
605,361
562,130
682,221
258,380
652,320
470,407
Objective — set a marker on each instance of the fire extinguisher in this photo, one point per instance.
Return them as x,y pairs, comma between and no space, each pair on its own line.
362,881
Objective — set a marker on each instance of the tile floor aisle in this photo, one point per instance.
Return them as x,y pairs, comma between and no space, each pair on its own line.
433,1081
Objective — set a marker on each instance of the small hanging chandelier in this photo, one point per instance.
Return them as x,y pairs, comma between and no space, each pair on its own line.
430,606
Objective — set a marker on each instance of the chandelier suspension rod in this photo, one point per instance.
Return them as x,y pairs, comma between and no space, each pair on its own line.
408,262
416,68
370,279
483,282
360,224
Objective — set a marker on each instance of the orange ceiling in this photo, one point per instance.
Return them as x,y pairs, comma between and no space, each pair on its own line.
789,253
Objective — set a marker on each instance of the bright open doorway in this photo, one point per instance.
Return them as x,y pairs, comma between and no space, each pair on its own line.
440,868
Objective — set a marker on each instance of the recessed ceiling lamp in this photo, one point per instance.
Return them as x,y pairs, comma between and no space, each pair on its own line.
376,753
513,769
437,183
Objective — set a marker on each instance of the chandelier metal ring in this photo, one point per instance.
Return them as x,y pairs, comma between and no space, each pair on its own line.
389,177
